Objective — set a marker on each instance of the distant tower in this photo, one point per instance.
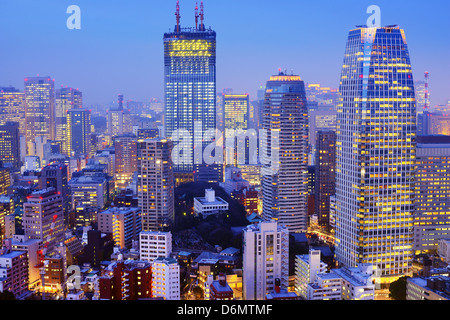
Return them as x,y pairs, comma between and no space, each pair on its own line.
427,92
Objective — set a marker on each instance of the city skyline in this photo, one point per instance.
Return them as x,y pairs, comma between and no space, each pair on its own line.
110,33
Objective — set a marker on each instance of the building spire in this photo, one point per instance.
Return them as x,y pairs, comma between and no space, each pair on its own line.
177,14
202,16
196,16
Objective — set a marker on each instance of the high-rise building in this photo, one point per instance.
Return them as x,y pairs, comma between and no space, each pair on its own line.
124,223
66,99
432,201
190,90
119,120
40,108
265,259
55,175
78,132
10,144
155,184
12,107
43,217
325,175
284,152
236,110
125,147
375,154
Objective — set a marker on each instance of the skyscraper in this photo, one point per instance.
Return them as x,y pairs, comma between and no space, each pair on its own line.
40,108
155,184
66,99
325,175
10,144
190,89
125,147
376,137
78,131
284,152
12,107
119,120
432,201
43,217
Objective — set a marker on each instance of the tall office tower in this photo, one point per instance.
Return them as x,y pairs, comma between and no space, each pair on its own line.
155,184
432,203
40,108
6,209
265,259
376,145
190,91
78,132
5,180
10,144
66,99
284,152
236,114
12,107
125,147
43,217
55,175
325,175
236,108
119,120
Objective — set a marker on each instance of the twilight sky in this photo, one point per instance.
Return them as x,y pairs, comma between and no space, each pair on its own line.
119,49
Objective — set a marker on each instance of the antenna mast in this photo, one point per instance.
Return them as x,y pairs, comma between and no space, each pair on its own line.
177,14
202,17
196,16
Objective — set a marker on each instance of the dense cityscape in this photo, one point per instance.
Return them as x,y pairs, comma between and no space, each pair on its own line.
300,192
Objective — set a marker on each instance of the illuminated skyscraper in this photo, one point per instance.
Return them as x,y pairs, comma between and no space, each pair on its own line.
12,107
10,144
325,175
125,147
78,131
66,99
432,203
285,162
40,108
155,184
119,120
376,146
190,89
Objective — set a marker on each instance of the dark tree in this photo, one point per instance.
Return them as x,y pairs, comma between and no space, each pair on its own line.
397,289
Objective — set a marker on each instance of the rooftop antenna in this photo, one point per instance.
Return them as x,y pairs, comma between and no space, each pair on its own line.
196,16
177,14
202,16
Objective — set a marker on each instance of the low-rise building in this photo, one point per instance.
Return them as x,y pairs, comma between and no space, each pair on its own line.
209,204
428,288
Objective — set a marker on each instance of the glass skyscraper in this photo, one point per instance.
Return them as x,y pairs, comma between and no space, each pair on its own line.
66,98
376,137
40,108
284,152
190,90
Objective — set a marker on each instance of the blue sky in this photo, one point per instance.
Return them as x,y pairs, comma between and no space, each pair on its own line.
119,48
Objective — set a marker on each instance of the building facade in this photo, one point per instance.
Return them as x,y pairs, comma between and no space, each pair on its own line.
265,258
376,137
284,156
155,184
